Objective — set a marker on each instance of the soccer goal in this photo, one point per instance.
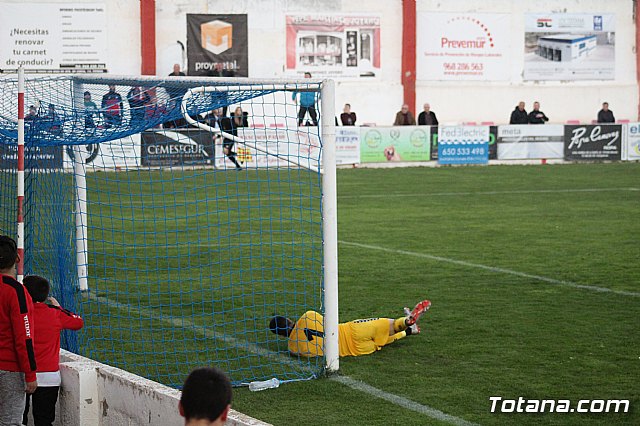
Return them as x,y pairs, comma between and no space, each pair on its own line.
176,215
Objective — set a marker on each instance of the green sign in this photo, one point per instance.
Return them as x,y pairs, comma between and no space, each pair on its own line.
399,143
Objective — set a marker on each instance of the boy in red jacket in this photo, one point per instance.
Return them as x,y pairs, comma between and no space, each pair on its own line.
50,319
17,359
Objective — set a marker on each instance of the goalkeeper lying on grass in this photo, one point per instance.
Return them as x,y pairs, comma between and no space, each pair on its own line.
358,337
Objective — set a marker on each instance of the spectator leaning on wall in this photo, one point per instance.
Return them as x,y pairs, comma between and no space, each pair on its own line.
519,115
605,115
427,117
536,116
404,117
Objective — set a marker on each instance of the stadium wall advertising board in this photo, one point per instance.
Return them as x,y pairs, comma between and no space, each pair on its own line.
519,142
569,46
632,153
300,146
59,38
347,145
115,154
398,143
217,41
593,142
463,46
35,157
493,149
331,45
177,147
463,144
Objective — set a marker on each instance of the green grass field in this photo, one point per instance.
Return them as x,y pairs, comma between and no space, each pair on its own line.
532,271
501,252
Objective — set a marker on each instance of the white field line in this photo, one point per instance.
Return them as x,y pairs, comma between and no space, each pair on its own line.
258,350
402,402
494,269
454,194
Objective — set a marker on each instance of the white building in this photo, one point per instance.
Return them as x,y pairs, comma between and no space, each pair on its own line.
566,47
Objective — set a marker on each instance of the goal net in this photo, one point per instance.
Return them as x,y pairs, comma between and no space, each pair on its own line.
177,216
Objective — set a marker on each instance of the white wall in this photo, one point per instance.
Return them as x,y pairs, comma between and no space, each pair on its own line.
96,394
561,101
378,100
373,101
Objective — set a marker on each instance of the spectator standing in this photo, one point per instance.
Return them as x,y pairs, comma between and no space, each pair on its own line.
90,109
307,104
112,107
17,358
605,115
206,397
427,117
348,117
138,99
213,118
519,115
404,117
49,320
219,71
536,116
176,71
52,120
32,114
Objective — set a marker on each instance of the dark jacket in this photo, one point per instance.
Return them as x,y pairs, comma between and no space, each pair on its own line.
537,117
422,119
606,116
229,125
348,119
404,119
519,117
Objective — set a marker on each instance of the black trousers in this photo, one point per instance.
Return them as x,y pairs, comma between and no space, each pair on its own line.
312,112
44,406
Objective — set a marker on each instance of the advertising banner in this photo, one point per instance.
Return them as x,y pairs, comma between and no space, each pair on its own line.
493,146
35,157
119,153
569,46
398,143
53,37
518,142
633,142
593,142
217,45
463,145
176,148
276,148
463,46
347,145
335,46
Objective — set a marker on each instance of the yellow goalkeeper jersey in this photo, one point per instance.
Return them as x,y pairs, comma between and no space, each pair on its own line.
359,337
307,337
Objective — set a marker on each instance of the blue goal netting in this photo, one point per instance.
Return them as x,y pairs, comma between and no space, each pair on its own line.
186,238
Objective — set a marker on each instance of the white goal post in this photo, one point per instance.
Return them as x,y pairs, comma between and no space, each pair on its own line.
194,85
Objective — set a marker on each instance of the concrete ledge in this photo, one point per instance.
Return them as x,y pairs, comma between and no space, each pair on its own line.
97,394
